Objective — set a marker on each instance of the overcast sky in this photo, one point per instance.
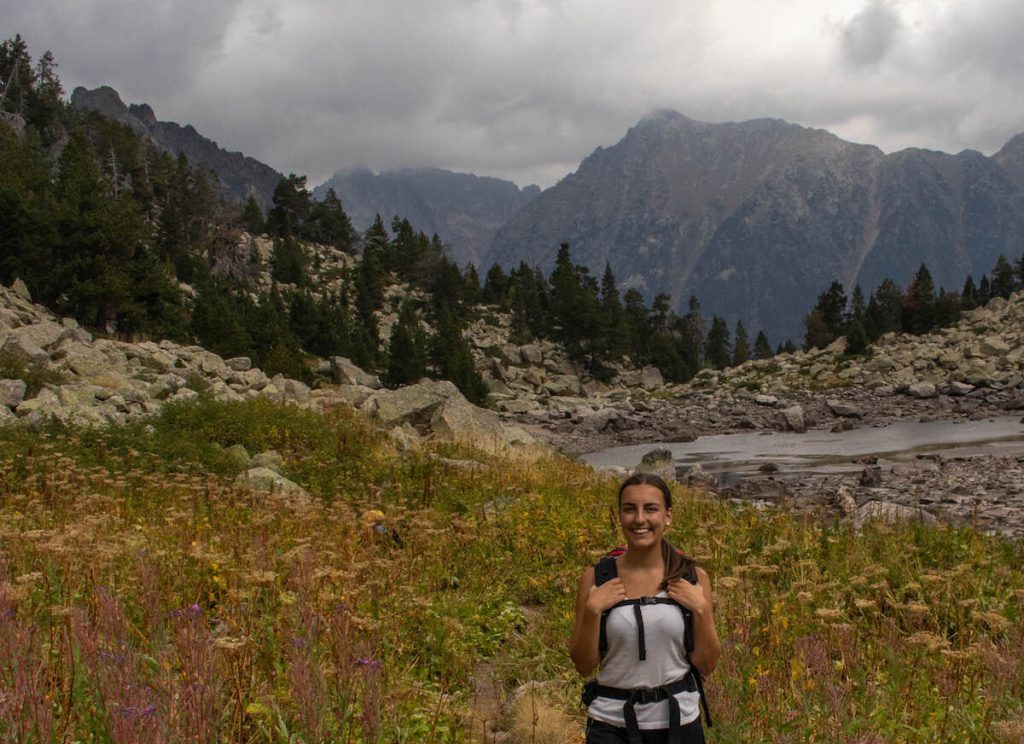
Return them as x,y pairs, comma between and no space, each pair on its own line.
524,89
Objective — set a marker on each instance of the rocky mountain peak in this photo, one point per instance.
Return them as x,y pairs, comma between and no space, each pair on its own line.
239,176
1011,158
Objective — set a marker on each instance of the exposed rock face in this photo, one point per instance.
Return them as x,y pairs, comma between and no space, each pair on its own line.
758,217
239,175
462,209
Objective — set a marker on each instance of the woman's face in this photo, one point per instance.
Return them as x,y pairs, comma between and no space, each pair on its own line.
642,515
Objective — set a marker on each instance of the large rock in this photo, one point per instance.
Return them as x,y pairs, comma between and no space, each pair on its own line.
843,410
41,334
658,462
922,390
347,373
886,511
265,479
651,378
790,419
12,392
436,407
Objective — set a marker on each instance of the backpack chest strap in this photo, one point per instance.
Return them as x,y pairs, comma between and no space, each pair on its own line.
637,604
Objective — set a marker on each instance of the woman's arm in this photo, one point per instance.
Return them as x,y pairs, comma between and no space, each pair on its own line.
698,599
591,601
706,646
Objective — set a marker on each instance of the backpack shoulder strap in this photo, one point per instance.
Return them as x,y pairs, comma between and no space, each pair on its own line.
605,570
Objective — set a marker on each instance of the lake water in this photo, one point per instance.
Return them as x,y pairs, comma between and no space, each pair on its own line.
730,457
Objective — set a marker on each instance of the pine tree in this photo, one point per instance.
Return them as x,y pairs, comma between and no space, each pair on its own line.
1002,278
407,352
291,207
969,295
946,310
885,310
919,303
856,337
252,217
288,261
496,287
614,332
453,360
641,331
471,285
716,347
984,290
741,346
762,349
1020,271
329,224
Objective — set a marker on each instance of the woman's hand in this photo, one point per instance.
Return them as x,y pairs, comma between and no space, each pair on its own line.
690,596
606,596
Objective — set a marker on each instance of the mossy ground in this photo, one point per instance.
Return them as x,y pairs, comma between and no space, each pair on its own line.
129,558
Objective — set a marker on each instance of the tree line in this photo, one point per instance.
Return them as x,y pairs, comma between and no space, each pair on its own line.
917,309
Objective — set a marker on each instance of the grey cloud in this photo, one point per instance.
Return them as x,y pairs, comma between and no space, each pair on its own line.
869,35
526,89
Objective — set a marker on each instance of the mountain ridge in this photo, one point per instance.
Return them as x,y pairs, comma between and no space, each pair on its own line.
758,217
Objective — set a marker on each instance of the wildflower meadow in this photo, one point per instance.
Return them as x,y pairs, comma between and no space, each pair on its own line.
144,597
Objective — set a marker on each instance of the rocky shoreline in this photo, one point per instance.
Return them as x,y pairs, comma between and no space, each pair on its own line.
986,492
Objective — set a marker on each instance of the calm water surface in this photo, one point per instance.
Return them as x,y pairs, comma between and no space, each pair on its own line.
733,456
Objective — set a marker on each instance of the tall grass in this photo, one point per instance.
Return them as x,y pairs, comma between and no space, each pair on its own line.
144,597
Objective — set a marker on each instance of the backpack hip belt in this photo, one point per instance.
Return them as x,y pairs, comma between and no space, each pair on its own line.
641,696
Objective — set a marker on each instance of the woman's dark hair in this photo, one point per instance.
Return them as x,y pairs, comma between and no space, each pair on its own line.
677,564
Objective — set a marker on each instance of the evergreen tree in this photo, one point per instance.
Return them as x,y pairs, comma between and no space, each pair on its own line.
641,331
471,285
218,319
716,347
496,287
1002,278
453,360
919,303
613,338
858,308
407,349
816,332
1020,271
328,223
946,310
252,217
857,342
288,262
101,261
885,309
762,349
693,335
984,290
291,207
27,218
741,346
969,295
528,301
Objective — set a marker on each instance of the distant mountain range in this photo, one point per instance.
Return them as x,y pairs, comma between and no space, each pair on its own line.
757,218
463,209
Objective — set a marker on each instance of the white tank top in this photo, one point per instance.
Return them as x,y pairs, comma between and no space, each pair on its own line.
666,662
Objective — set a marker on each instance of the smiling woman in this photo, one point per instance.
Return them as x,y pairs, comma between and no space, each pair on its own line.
644,617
